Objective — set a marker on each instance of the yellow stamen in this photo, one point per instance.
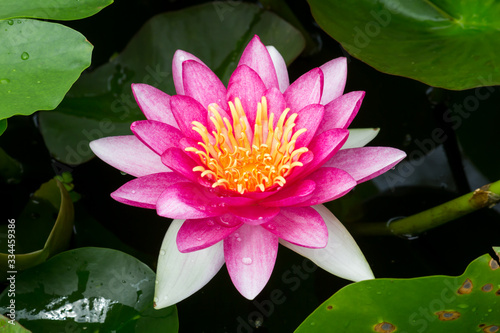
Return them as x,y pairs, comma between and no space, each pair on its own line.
236,159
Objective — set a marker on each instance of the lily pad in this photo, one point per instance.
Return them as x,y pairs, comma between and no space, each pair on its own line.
11,326
39,61
443,43
51,9
466,303
3,126
34,237
101,103
92,289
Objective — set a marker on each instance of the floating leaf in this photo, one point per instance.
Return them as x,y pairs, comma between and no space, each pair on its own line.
36,237
449,44
3,126
466,303
39,61
90,289
11,326
10,170
51,9
101,103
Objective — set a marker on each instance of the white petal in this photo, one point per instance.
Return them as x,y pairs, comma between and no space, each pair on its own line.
280,67
360,137
179,275
342,256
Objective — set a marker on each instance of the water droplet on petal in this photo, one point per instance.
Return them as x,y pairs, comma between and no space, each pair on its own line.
247,261
133,191
156,299
25,56
236,235
162,252
238,239
198,238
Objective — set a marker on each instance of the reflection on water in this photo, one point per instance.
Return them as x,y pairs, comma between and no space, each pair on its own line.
86,310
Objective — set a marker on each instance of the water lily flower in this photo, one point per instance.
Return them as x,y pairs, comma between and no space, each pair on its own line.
244,168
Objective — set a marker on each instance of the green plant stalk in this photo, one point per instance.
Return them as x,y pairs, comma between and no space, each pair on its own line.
485,196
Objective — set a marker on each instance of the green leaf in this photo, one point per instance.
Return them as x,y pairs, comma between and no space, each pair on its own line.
51,9
466,303
39,61
11,171
3,126
101,103
11,326
92,289
35,236
443,43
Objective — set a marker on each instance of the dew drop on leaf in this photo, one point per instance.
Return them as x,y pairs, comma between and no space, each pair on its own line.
25,56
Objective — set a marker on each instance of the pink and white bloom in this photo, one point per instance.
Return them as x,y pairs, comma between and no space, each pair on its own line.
244,168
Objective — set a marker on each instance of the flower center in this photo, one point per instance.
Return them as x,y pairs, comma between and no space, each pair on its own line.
238,160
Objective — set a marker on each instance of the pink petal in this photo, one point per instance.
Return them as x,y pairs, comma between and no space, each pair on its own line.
145,191
290,195
182,164
128,154
322,147
335,72
157,136
302,226
202,84
250,254
179,57
154,103
331,183
340,112
305,90
246,84
188,201
257,58
254,215
367,162
186,110
227,220
198,234
280,67
276,104
310,118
